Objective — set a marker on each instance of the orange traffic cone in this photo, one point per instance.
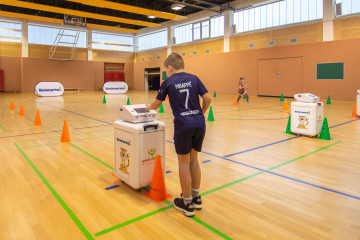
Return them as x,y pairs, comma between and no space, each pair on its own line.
37,118
354,112
22,112
286,108
158,190
235,103
12,107
65,137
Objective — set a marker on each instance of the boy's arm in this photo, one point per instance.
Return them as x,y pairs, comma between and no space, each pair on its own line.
155,105
206,102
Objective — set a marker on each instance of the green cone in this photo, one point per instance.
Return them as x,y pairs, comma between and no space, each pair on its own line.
282,98
161,109
325,134
128,101
211,115
328,100
244,97
288,127
104,99
214,94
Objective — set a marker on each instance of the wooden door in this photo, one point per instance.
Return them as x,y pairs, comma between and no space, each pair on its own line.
280,76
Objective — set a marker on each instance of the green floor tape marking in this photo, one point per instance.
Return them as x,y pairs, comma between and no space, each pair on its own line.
211,228
2,128
318,150
56,195
92,156
132,221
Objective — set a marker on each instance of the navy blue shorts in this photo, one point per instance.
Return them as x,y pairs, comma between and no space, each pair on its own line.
189,139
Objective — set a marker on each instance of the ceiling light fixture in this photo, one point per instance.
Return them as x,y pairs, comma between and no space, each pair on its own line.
151,16
177,6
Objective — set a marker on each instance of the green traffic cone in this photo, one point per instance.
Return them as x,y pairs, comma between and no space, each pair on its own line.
325,134
244,97
328,100
104,99
161,109
214,94
211,115
128,101
282,98
288,127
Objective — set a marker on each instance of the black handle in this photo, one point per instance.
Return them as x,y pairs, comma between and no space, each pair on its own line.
150,126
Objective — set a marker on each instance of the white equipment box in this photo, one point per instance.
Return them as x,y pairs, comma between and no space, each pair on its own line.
358,103
136,113
307,117
137,144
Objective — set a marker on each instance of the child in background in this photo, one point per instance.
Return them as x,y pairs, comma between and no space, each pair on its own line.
242,87
189,128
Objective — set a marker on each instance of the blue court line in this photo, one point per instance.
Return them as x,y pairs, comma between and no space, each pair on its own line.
344,123
281,141
279,175
112,187
252,149
92,127
206,161
30,134
76,113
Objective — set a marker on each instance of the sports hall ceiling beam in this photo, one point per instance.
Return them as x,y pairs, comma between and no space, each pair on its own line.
129,8
53,20
47,8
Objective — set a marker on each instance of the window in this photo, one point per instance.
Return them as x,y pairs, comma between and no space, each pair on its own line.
217,26
200,30
153,40
112,42
46,35
279,13
10,31
345,7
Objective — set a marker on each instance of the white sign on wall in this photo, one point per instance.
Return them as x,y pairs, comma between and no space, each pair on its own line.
49,89
115,87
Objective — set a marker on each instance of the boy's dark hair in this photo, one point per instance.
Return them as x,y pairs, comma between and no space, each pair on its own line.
174,60
242,78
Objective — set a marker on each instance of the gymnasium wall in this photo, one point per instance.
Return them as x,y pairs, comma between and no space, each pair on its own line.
220,72
347,27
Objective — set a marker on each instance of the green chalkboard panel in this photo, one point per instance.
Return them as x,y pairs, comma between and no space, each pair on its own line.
164,76
330,70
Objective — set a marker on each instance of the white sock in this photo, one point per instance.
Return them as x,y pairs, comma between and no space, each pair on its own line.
195,193
187,200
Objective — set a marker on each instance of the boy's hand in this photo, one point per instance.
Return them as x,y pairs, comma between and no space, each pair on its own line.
147,107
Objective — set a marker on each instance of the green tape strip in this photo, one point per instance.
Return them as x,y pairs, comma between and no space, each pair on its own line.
2,128
92,156
56,195
132,221
205,193
282,164
351,142
167,201
211,228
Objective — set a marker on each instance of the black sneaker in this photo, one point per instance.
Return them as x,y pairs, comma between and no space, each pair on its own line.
197,203
187,210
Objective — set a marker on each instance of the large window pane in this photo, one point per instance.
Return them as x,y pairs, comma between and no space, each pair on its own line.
47,35
205,29
257,18
269,15
297,10
276,14
112,42
251,19
10,31
154,40
217,26
304,10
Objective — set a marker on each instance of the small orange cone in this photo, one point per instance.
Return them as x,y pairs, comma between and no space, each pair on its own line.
37,118
354,112
12,107
65,137
22,112
286,108
158,190
235,103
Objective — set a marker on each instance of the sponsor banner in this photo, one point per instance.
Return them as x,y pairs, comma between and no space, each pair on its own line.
49,89
115,87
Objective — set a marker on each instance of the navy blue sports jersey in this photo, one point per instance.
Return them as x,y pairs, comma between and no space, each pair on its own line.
184,90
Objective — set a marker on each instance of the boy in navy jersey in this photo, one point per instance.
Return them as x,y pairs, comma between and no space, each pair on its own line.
189,128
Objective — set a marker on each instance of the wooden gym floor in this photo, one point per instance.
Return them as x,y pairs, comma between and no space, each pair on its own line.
257,181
